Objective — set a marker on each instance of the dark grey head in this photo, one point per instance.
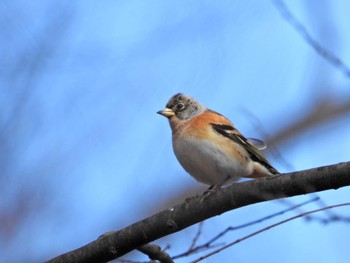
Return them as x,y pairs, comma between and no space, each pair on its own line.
182,106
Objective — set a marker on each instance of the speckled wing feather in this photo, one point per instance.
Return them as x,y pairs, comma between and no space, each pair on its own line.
233,134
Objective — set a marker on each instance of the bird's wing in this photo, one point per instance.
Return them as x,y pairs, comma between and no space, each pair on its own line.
252,146
259,144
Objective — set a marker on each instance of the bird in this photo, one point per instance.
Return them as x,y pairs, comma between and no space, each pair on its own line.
209,147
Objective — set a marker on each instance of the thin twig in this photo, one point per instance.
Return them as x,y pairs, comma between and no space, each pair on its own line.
154,252
267,228
209,244
300,28
199,232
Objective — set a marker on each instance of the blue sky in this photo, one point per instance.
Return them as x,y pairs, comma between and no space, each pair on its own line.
84,151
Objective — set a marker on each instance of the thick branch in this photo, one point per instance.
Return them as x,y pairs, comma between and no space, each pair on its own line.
197,209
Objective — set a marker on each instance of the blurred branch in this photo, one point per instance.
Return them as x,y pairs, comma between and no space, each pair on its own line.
300,28
20,116
199,208
324,111
267,228
273,149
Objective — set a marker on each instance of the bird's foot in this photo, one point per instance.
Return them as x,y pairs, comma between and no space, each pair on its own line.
211,189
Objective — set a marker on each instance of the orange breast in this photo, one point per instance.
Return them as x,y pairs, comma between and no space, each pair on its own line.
199,128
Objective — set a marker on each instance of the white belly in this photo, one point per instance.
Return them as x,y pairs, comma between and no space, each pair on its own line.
207,163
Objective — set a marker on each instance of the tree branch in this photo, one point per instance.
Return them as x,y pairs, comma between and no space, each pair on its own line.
197,209
154,252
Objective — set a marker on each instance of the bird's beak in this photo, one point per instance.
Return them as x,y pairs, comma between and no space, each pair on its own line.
166,112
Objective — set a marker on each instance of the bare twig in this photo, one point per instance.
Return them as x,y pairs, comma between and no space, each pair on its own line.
300,28
209,244
154,252
267,228
195,239
331,216
261,219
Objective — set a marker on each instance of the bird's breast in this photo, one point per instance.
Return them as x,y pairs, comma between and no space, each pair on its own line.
211,161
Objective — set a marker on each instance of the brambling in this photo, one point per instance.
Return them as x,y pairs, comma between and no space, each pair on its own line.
209,147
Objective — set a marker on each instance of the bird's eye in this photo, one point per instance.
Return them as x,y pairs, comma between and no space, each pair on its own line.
180,106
